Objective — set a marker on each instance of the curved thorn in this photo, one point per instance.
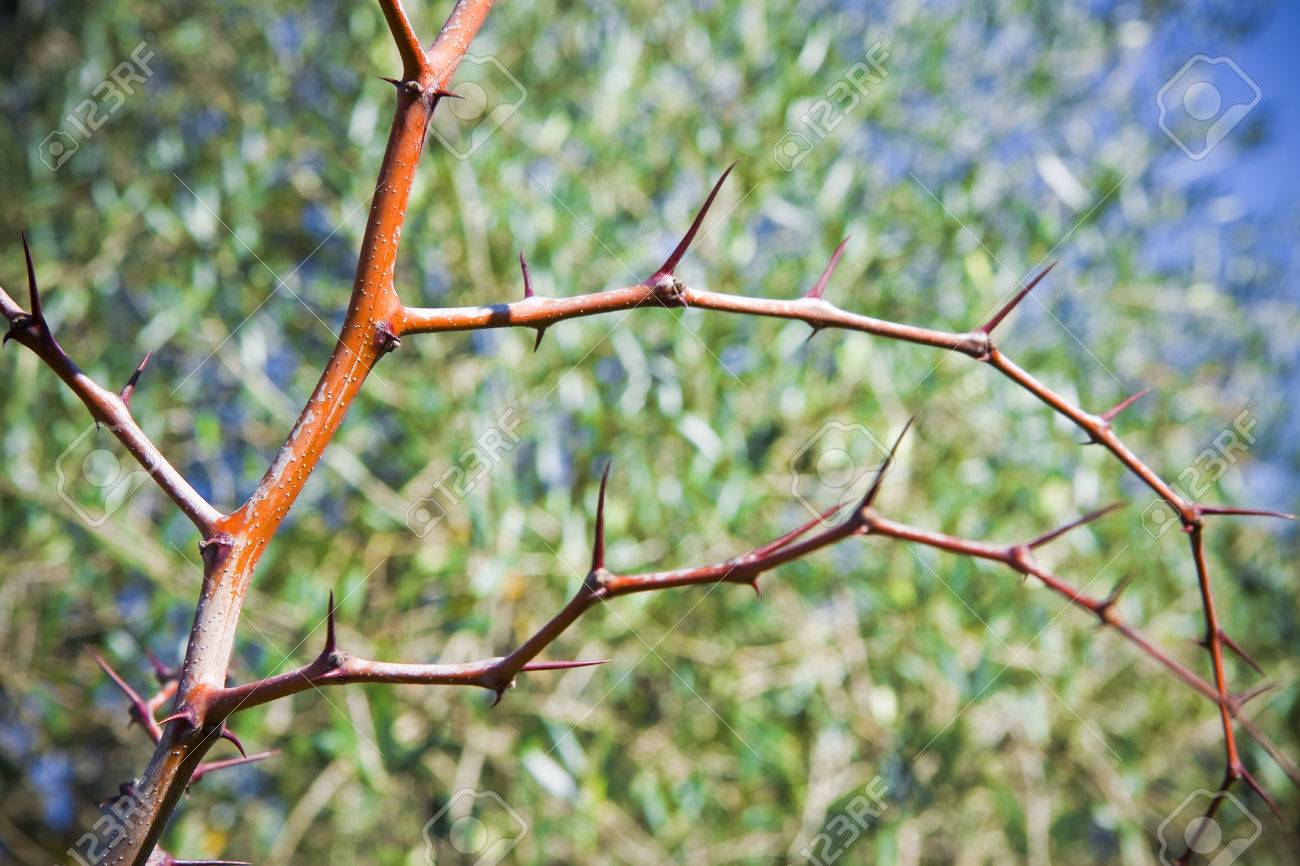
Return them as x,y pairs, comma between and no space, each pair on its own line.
1230,510
393,81
680,251
1249,695
1109,414
541,332
816,290
186,715
874,490
227,734
1010,305
758,590
451,94
129,388
499,694
598,546
1074,524
528,283
562,665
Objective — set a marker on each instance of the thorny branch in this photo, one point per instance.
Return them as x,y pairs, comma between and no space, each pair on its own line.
376,320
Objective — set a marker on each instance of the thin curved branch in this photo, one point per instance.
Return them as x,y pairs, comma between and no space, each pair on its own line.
813,309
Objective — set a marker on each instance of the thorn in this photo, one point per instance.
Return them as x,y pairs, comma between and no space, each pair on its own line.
1250,694
1112,598
528,283
874,491
1109,414
1074,524
562,665
675,258
795,534
541,332
185,714
1001,314
816,290
393,81
168,860
758,590
161,672
330,645
1263,795
500,693
139,712
129,388
212,766
126,789
451,94
1228,510
1240,653
227,734
812,333
35,293
598,546
387,339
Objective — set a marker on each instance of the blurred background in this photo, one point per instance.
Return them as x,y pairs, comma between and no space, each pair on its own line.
194,181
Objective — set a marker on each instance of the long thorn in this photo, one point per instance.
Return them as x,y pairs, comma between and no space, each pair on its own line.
874,490
1001,314
129,388
1263,795
795,534
139,713
817,290
541,332
1240,653
1109,414
685,244
1229,510
1074,524
598,546
212,766
562,665
35,293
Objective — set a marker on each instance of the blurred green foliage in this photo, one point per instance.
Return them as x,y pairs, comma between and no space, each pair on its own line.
214,219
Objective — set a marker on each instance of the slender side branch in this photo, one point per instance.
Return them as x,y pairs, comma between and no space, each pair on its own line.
106,407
